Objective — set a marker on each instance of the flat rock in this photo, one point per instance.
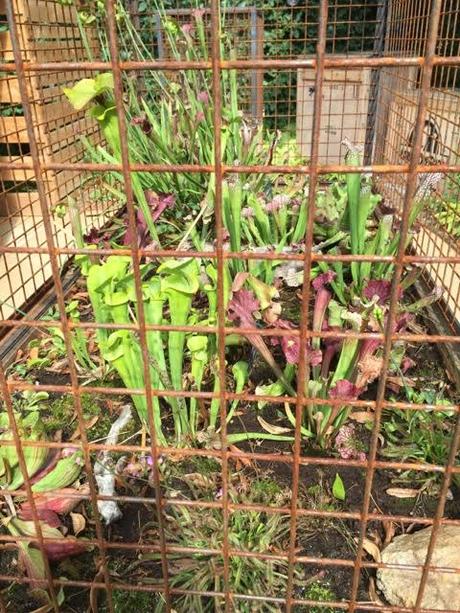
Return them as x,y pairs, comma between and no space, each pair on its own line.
400,586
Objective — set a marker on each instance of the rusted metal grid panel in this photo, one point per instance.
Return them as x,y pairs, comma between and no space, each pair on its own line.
407,27
47,32
22,275
291,30
298,458
399,98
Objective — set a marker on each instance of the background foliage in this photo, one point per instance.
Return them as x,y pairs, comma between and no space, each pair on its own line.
290,30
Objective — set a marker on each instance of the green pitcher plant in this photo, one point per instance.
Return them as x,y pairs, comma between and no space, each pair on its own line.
177,359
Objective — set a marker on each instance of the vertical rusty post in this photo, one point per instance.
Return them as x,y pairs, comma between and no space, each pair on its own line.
54,259
118,94
218,173
303,369
408,201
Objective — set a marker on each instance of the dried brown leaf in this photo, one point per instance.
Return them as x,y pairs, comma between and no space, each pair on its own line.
373,592
272,313
78,523
60,366
210,438
94,591
243,461
402,492
396,383
80,295
376,538
114,406
239,281
371,548
369,369
390,529
271,429
362,417
199,480
182,564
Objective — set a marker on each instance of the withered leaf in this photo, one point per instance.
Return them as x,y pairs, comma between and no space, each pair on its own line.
402,492
239,281
373,592
243,461
89,423
369,369
362,417
390,530
199,480
371,548
78,523
271,429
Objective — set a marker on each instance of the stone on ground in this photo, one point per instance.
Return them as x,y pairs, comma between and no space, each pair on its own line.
400,586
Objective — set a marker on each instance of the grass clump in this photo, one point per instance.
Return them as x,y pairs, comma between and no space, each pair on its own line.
249,531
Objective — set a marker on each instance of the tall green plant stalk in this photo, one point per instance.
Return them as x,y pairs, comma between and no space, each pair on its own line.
98,92
178,126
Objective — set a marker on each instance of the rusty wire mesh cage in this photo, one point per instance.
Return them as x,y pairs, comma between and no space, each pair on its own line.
186,424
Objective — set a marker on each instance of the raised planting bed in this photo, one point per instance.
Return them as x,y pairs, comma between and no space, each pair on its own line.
171,384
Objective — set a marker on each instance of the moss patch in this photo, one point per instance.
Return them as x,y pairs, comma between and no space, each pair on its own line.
320,592
61,415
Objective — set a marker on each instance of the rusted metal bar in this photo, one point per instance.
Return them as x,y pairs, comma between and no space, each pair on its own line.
366,606
409,38
256,64
230,255
128,188
268,332
34,152
218,207
298,169
277,457
20,385
303,369
408,203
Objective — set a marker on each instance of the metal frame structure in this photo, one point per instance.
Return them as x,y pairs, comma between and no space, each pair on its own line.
427,60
